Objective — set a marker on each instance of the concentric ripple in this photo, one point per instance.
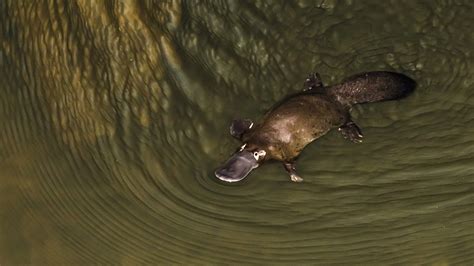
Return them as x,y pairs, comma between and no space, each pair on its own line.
115,115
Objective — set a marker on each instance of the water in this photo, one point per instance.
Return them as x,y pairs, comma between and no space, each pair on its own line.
115,115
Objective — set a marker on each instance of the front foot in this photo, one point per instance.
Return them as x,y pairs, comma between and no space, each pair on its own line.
351,132
296,178
291,169
239,127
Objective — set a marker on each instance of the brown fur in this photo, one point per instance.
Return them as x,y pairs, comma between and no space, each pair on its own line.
302,118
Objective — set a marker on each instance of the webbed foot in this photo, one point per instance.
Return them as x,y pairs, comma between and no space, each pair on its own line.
352,132
296,178
291,169
313,81
239,126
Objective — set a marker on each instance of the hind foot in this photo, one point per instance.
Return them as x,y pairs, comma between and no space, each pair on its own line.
352,132
313,81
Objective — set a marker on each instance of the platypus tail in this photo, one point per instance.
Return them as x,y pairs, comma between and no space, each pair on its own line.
372,87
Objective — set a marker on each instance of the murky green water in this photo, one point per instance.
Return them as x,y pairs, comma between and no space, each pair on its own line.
114,116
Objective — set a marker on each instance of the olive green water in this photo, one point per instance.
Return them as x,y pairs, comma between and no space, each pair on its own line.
114,116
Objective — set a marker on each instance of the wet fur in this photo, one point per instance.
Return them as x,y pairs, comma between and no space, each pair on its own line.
301,118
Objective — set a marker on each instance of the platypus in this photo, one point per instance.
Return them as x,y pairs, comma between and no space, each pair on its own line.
303,117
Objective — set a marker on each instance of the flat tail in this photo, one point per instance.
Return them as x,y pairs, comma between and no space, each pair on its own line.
372,87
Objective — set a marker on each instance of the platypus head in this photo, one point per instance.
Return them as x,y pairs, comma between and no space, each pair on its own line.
241,163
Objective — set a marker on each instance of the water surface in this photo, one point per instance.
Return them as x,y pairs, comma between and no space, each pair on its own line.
114,116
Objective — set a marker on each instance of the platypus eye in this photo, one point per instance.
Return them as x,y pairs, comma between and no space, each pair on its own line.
258,154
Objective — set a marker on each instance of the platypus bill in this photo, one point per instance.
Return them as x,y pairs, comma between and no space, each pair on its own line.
301,118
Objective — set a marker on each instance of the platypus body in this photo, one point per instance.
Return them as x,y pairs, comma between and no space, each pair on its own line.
301,118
